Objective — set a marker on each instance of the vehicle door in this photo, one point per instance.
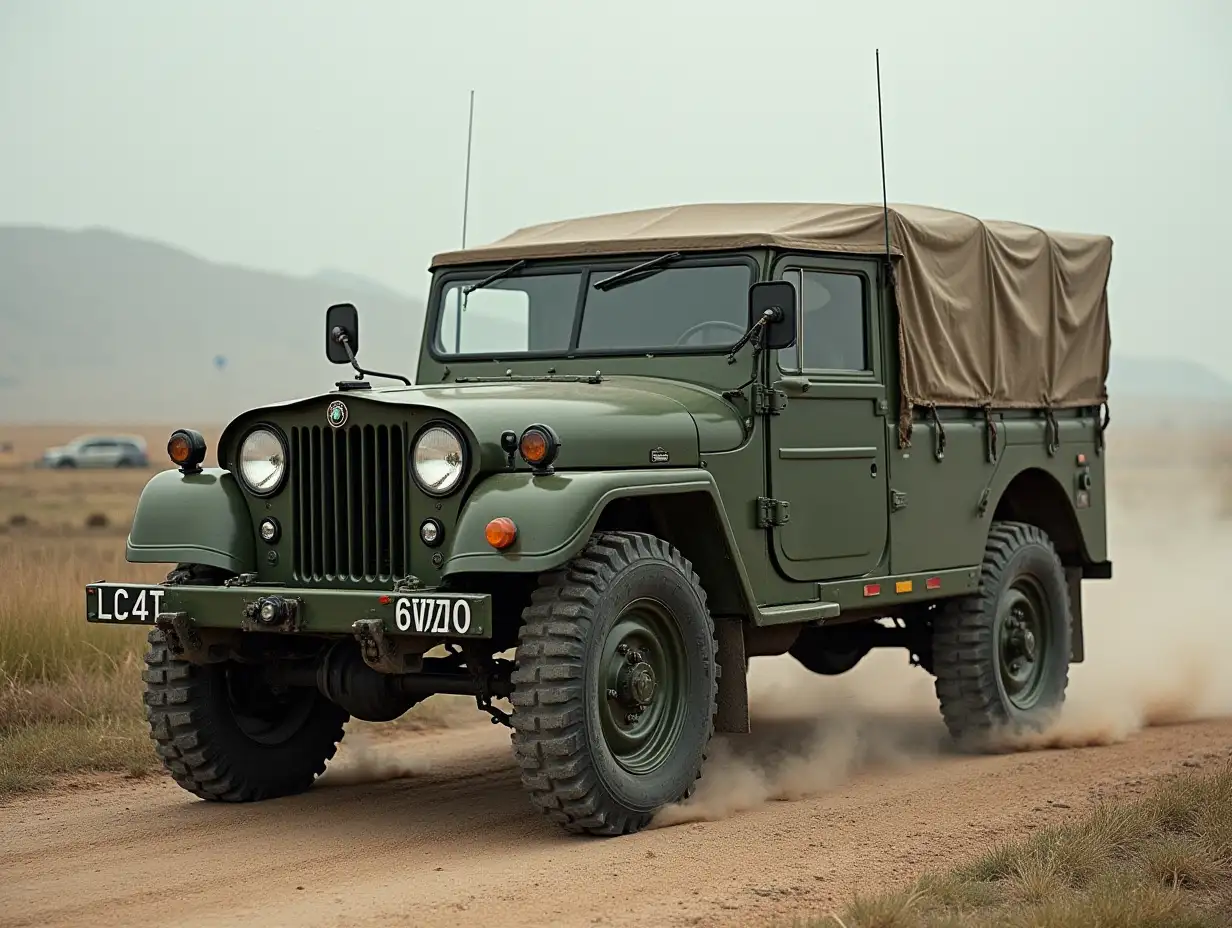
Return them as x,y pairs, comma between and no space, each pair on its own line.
128,452
98,452
827,444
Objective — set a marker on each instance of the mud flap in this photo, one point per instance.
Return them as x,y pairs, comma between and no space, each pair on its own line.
732,715
1073,578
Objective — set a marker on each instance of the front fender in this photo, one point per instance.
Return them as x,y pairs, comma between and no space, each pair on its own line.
555,514
195,519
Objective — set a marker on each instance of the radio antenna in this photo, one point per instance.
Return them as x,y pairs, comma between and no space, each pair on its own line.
885,203
466,189
466,202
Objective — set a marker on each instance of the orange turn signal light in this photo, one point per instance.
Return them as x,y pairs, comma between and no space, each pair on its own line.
534,446
179,448
539,447
186,448
501,533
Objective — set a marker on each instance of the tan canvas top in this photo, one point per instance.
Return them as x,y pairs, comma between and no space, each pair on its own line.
991,313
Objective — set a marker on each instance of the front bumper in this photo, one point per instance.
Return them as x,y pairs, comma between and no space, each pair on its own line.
423,613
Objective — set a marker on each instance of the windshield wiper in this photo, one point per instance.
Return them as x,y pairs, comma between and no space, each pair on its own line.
645,269
493,278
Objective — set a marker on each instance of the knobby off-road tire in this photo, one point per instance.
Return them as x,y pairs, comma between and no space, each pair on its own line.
1002,655
221,734
624,625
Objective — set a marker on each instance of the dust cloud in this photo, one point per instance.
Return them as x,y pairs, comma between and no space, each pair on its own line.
1157,642
1157,650
366,757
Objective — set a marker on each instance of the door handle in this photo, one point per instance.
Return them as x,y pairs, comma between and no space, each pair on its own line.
794,384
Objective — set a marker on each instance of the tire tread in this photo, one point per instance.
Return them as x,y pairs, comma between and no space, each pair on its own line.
963,652
549,738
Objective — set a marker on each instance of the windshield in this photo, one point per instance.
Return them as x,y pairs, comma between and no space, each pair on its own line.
542,311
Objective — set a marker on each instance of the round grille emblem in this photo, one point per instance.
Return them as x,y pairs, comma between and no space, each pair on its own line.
336,414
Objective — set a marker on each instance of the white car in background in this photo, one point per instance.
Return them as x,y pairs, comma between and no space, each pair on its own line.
99,451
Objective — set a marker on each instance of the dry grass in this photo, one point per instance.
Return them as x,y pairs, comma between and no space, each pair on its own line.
70,697
70,691
1164,860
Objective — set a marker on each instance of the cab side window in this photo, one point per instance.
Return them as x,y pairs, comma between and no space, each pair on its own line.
833,322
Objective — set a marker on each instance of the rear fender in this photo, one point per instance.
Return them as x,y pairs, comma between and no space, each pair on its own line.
195,519
556,514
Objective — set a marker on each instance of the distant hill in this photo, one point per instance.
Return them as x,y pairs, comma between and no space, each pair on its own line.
1163,392
103,327
1166,379
357,284
106,328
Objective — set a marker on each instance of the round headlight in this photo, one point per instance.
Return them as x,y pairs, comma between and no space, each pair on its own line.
438,460
263,462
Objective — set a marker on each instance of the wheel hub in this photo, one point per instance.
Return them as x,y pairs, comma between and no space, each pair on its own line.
642,686
1022,635
636,685
1028,644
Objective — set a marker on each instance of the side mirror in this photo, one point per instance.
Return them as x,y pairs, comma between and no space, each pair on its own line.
778,298
341,333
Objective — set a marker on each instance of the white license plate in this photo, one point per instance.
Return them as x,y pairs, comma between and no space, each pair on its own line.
440,615
115,602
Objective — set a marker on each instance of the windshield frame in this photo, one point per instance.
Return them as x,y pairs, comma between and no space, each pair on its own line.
587,267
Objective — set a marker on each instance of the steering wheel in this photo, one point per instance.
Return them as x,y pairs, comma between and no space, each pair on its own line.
709,323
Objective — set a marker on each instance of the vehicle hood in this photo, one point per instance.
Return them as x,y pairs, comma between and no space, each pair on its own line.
619,421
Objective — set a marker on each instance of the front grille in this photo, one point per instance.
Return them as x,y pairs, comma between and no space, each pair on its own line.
349,496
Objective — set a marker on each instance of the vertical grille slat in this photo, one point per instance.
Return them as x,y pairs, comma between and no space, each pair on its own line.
383,512
325,563
348,503
342,493
398,516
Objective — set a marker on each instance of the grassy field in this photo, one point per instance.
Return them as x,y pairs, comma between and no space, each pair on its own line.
1164,861
69,692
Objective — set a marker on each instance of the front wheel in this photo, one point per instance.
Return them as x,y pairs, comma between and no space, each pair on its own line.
223,733
615,689
1002,655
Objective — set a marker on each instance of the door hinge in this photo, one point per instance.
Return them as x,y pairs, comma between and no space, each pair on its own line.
767,401
771,512
898,500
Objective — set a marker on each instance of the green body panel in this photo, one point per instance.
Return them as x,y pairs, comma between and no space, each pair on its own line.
195,518
555,514
323,612
828,460
619,419
951,503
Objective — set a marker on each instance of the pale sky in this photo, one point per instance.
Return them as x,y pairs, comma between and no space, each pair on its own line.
297,135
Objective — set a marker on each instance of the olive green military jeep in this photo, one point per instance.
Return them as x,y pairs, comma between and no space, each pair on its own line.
641,449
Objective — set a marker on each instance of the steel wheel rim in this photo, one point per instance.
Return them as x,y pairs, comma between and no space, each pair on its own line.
642,686
1022,642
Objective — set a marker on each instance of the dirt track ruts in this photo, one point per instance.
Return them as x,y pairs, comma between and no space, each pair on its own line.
459,843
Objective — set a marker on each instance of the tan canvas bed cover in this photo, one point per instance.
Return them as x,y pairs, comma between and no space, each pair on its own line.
991,314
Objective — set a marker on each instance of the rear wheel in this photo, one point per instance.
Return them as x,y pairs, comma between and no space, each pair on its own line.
615,689
223,733
1002,655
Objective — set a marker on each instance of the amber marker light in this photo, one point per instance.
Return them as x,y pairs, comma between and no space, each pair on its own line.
539,448
501,533
186,448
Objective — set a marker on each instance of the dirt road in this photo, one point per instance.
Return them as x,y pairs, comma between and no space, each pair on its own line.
458,844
